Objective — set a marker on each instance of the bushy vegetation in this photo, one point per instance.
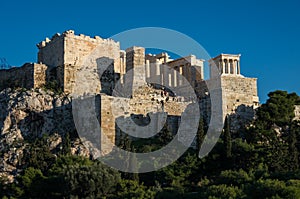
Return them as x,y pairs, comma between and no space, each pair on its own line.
263,163
53,86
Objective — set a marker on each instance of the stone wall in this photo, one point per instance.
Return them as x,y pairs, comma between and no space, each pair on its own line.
145,100
30,75
68,53
79,47
40,75
239,97
237,91
232,95
135,68
51,52
210,95
135,56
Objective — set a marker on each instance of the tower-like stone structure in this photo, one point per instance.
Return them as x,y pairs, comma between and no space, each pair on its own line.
238,93
65,55
135,67
135,56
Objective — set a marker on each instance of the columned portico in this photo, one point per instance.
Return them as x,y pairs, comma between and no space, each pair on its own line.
226,64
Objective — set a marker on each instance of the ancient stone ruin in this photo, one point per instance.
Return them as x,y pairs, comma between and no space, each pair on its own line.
62,59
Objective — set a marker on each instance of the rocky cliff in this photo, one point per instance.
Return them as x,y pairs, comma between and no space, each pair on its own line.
26,115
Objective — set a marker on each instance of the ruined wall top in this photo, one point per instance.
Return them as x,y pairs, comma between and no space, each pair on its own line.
71,34
132,48
191,59
161,58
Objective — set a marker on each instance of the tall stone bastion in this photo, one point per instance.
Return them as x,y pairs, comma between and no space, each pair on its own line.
62,60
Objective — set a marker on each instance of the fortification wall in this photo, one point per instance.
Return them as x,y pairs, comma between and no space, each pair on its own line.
68,52
238,91
40,75
30,75
51,52
144,100
231,95
105,54
240,97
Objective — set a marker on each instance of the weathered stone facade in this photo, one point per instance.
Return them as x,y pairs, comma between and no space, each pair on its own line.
65,54
238,93
30,75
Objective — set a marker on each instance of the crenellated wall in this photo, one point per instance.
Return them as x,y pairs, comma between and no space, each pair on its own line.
51,52
68,53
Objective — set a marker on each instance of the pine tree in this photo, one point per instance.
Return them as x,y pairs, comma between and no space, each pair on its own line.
66,145
227,137
125,144
200,134
165,136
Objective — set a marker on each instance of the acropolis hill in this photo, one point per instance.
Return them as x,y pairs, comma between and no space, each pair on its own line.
61,59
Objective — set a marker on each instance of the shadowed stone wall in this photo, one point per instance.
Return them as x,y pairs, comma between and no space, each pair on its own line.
30,75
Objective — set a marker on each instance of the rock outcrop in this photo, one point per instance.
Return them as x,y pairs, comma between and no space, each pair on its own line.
26,115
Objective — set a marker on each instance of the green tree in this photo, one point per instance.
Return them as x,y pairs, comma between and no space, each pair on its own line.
65,160
227,137
279,109
30,182
200,134
66,144
165,135
38,155
223,191
128,189
272,127
270,188
293,152
180,173
236,178
95,181
125,142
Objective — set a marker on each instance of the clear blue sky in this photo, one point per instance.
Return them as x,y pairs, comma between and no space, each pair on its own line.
266,33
